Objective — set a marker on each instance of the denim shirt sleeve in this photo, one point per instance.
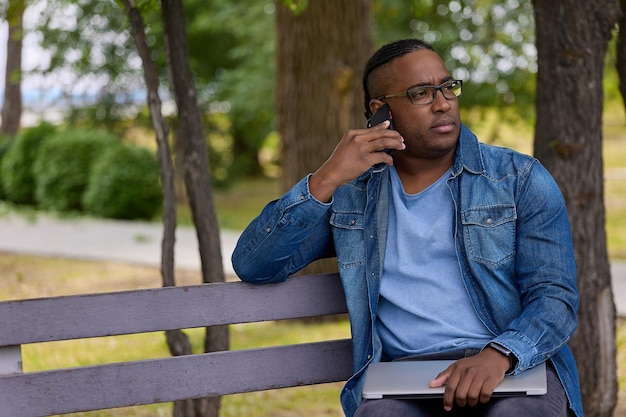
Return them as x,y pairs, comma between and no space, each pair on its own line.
546,273
289,233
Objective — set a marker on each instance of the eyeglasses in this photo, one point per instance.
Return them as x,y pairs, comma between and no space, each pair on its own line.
426,94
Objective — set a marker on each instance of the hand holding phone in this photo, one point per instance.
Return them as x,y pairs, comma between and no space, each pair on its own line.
383,113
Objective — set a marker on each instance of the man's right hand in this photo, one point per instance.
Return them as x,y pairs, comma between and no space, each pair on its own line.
358,150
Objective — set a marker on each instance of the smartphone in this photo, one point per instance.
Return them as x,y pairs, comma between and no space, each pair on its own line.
383,113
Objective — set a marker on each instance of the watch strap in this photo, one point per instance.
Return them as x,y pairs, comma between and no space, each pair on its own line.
506,352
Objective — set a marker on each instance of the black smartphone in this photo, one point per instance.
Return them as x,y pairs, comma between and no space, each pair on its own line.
383,113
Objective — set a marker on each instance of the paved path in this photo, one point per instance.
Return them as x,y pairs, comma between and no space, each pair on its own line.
140,243
96,239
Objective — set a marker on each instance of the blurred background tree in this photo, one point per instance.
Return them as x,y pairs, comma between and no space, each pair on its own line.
490,44
232,46
13,12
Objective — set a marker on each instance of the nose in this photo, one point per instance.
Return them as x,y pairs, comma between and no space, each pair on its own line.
440,104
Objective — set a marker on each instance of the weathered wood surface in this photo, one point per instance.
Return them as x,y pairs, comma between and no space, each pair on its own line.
173,378
94,315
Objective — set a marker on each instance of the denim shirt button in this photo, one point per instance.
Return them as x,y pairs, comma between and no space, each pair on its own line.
489,220
269,229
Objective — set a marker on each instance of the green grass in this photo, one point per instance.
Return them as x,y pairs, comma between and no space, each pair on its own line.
236,207
620,337
239,204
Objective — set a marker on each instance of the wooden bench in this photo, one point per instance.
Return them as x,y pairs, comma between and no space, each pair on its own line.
31,394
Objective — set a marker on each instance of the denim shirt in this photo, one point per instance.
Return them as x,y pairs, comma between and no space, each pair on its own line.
513,245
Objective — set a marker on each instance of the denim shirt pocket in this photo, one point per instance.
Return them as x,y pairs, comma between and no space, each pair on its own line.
490,233
348,232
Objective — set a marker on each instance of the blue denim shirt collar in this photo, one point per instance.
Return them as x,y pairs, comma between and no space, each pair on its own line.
468,155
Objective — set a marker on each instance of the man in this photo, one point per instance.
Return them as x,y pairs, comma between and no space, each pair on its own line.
446,248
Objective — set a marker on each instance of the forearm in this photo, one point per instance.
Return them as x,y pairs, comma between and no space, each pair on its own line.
287,235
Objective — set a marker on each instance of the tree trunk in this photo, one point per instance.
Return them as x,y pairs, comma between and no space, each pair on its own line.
621,53
320,58
197,176
177,341
12,107
572,40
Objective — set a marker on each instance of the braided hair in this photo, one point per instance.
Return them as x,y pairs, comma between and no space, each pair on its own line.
384,55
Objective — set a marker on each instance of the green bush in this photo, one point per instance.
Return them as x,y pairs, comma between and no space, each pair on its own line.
124,184
16,167
5,143
63,166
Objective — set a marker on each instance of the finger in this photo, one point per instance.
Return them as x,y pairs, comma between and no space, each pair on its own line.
394,143
486,391
474,393
450,391
485,395
385,140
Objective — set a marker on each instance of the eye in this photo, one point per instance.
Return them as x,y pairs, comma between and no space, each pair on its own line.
417,93
451,85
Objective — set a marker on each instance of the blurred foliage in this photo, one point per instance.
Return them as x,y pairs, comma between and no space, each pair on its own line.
63,167
5,142
487,43
296,6
231,47
124,184
610,80
16,166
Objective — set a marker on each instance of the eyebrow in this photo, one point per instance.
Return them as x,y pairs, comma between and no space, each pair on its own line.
446,79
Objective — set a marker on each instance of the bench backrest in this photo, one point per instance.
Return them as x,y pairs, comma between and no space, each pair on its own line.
171,378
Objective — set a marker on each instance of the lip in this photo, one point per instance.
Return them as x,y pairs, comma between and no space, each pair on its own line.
444,126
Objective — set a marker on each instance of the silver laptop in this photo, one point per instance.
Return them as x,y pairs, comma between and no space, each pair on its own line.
409,379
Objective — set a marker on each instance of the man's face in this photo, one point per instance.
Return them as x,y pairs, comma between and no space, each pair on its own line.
430,131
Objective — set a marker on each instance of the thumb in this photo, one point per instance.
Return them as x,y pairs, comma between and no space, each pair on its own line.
440,381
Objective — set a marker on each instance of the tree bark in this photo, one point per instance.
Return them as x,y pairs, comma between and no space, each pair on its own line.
621,53
177,341
321,54
12,106
572,40
197,178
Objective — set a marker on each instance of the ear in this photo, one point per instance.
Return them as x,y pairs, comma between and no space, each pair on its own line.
376,104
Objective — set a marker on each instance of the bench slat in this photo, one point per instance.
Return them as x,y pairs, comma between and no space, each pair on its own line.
176,378
158,309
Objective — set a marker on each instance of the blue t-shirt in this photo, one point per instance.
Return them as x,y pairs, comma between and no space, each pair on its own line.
424,306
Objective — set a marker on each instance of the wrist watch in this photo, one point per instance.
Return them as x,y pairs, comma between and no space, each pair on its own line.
504,351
